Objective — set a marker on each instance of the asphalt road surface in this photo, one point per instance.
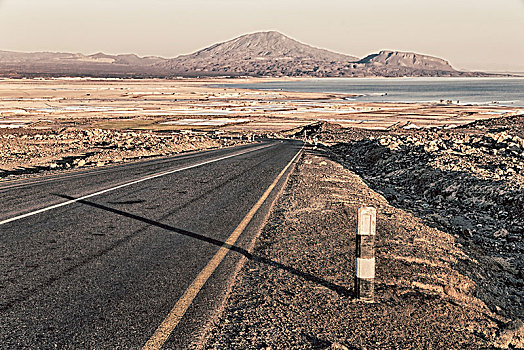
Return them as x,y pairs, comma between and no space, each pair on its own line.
101,258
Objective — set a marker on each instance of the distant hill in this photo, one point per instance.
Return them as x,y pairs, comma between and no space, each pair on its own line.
75,64
397,63
257,54
406,59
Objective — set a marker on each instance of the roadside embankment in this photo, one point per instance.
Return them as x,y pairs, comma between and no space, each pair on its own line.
468,182
25,151
295,292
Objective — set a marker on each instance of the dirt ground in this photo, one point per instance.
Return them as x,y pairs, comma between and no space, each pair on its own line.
297,290
468,182
204,104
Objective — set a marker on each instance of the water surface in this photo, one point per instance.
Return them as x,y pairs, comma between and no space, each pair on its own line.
503,91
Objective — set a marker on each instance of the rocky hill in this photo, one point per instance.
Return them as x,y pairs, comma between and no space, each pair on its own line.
274,54
405,63
257,54
264,53
406,59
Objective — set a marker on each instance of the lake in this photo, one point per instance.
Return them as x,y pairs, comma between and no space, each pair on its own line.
493,91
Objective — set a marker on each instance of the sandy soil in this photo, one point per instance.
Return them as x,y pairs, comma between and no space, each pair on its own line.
149,104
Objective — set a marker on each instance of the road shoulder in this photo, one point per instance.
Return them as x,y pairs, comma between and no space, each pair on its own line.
298,293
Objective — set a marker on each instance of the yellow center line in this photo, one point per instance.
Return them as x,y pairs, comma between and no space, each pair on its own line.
167,326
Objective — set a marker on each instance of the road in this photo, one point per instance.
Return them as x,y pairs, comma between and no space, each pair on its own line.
135,254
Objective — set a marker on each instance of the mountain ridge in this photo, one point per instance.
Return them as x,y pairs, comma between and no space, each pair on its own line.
268,53
257,53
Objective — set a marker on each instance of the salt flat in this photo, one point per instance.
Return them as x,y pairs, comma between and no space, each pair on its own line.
159,104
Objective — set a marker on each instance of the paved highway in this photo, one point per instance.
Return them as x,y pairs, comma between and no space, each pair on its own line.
135,255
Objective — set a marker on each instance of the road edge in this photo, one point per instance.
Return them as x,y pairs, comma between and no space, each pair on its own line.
203,339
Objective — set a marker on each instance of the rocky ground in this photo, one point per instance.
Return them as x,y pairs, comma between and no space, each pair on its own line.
296,291
25,151
449,250
468,182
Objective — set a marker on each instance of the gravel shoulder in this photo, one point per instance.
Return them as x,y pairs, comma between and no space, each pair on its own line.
296,291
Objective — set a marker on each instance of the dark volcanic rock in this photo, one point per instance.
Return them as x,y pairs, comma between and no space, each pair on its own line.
468,182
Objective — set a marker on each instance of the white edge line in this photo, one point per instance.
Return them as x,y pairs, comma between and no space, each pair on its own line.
88,171
126,184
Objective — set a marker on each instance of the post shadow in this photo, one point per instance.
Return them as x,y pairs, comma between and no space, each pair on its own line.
342,291
23,295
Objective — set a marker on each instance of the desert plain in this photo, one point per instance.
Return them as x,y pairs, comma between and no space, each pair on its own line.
207,104
101,111
447,180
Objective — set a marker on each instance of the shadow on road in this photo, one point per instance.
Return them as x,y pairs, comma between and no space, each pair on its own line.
259,259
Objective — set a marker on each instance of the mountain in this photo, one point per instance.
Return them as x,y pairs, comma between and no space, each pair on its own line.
407,59
405,63
274,54
257,54
60,64
264,53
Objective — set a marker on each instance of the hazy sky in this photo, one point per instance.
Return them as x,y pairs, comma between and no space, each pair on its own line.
471,34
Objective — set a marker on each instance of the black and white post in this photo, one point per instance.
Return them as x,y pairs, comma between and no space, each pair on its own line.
365,254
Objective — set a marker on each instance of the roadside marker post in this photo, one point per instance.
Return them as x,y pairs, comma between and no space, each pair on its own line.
365,254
